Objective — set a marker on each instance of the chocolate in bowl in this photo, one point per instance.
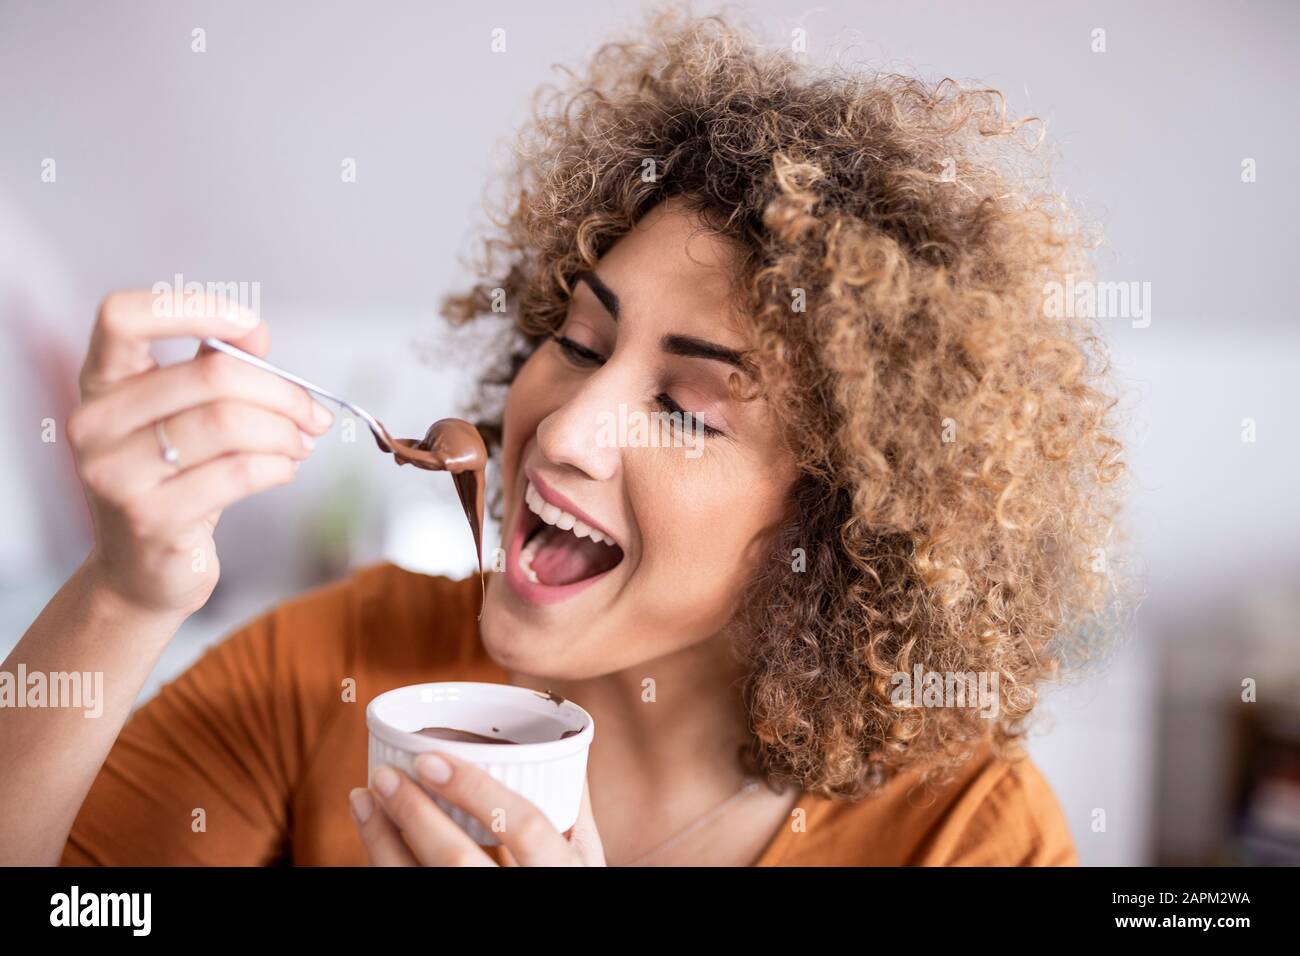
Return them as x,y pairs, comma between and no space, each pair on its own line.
546,764
469,737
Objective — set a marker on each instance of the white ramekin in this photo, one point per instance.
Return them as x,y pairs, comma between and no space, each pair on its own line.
546,770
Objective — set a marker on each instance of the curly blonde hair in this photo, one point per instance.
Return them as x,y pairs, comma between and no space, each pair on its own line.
957,461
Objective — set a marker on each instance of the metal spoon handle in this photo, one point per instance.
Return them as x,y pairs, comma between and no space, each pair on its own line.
378,429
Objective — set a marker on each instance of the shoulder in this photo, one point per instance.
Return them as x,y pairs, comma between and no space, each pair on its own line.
382,618
409,627
1016,821
381,622
387,594
993,811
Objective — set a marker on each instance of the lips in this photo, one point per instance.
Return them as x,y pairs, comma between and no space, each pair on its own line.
557,550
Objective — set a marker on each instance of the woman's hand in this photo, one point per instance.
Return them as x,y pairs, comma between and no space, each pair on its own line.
402,826
236,430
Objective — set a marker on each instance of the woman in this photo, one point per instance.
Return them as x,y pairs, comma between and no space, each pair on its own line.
898,465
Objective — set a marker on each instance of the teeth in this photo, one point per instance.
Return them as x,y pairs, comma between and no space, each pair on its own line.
560,519
526,560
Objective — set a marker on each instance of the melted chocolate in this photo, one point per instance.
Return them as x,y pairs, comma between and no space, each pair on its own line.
469,737
551,696
456,447
465,736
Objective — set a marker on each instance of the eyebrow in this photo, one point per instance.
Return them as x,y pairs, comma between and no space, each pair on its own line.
691,347
686,346
602,292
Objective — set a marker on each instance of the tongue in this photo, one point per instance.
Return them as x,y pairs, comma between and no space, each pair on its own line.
564,558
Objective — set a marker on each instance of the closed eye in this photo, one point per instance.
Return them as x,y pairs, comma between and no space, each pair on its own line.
672,408
578,354
584,357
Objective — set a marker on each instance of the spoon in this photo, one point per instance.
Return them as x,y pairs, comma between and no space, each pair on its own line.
450,445
384,440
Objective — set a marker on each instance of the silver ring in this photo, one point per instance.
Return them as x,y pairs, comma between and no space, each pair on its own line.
169,453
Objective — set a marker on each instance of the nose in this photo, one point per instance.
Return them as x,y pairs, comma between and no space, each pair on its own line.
578,432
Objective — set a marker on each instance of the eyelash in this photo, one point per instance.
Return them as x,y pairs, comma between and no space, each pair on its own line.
578,354
583,356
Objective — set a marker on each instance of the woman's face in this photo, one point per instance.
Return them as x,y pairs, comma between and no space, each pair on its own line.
684,499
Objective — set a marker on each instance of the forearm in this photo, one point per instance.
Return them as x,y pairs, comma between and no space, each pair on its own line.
51,752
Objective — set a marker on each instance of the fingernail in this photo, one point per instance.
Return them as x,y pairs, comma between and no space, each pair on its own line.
386,781
296,463
433,768
321,415
307,441
240,316
362,804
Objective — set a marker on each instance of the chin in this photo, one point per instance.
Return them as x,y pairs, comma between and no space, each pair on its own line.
521,644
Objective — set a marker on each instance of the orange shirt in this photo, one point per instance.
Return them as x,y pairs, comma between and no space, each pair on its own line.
247,757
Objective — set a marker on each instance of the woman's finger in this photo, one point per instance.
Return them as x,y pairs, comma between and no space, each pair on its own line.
140,401
182,502
129,321
434,837
198,435
256,342
584,836
383,841
514,819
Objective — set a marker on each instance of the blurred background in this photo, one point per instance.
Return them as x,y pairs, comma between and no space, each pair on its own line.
128,155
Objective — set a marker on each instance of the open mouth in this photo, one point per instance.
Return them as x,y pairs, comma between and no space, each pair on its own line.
559,549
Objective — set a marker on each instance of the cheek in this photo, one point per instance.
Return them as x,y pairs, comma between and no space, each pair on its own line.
702,523
525,408
698,558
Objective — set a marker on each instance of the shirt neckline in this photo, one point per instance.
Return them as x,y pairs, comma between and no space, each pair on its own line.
777,848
